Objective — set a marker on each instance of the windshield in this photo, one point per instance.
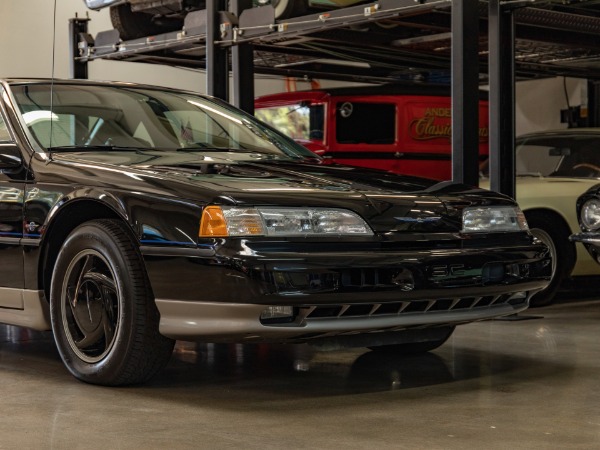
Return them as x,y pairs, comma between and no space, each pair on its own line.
80,116
554,155
571,155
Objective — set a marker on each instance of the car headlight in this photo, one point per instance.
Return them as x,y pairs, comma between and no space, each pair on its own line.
590,214
489,219
220,221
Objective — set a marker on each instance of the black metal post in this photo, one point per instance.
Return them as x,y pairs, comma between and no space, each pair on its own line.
501,36
242,66
593,103
77,69
217,67
465,91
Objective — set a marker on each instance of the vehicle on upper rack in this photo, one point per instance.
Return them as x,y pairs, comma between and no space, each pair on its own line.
140,18
132,216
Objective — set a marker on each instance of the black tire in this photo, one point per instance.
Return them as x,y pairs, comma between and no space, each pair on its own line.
555,234
134,25
285,9
417,341
104,318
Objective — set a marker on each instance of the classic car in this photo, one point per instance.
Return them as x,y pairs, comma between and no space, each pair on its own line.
553,169
140,18
132,216
588,213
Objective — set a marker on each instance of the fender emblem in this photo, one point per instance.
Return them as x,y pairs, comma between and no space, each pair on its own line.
31,227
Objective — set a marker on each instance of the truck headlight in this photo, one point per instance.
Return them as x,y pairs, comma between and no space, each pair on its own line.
590,214
490,219
220,221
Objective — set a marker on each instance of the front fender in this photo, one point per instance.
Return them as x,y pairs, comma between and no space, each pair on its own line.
154,220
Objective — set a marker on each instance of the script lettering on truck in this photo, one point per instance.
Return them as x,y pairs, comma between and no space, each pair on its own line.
435,123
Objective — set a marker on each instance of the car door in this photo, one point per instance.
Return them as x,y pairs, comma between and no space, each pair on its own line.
11,219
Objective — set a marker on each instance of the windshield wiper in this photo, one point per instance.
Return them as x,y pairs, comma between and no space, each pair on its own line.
201,148
83,148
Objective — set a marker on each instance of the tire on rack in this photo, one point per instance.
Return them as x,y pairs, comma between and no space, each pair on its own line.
417,341
134,25
285,9
554,232
103,315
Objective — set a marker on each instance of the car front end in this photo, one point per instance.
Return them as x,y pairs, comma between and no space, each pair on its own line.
588,212
266,275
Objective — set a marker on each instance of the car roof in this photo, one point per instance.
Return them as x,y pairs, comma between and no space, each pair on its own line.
562,132
13,81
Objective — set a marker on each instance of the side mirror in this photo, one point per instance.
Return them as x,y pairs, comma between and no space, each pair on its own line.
10,157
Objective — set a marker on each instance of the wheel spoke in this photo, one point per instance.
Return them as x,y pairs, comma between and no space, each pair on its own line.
89,339
108,324
107,284
87,265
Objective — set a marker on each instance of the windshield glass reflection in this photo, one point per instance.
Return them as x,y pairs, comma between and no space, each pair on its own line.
121,117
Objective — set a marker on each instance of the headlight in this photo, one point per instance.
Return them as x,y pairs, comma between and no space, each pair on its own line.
590,214
219,221
492,219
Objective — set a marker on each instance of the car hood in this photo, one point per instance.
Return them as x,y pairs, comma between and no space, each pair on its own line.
388,201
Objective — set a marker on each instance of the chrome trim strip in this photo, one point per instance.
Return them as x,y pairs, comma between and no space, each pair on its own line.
150,250
592,238
10,240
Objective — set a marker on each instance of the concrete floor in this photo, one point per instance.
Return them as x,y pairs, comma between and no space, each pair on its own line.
526,384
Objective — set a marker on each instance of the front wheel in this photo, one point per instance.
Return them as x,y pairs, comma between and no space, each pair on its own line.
104,319
552,232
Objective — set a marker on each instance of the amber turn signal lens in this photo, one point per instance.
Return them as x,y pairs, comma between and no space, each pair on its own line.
212,223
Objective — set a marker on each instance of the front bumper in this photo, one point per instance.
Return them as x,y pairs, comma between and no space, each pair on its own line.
591,241
220,298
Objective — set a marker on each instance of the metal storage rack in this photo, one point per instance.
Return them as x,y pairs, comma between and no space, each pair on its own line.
494,42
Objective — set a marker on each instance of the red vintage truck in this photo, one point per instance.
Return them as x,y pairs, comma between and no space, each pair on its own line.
399,128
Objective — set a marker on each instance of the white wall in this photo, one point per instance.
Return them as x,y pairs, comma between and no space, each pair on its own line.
538,102
26,50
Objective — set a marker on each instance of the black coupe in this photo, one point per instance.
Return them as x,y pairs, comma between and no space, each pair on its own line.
132,216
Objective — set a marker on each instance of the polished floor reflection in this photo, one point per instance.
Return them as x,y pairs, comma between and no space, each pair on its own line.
532,383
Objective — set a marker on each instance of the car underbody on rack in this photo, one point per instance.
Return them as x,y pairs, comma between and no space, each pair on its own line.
138,18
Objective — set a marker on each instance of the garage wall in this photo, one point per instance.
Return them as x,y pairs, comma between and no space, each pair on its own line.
26,37
26,49
538,102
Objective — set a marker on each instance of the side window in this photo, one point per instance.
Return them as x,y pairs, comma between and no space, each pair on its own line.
4,134
365,123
